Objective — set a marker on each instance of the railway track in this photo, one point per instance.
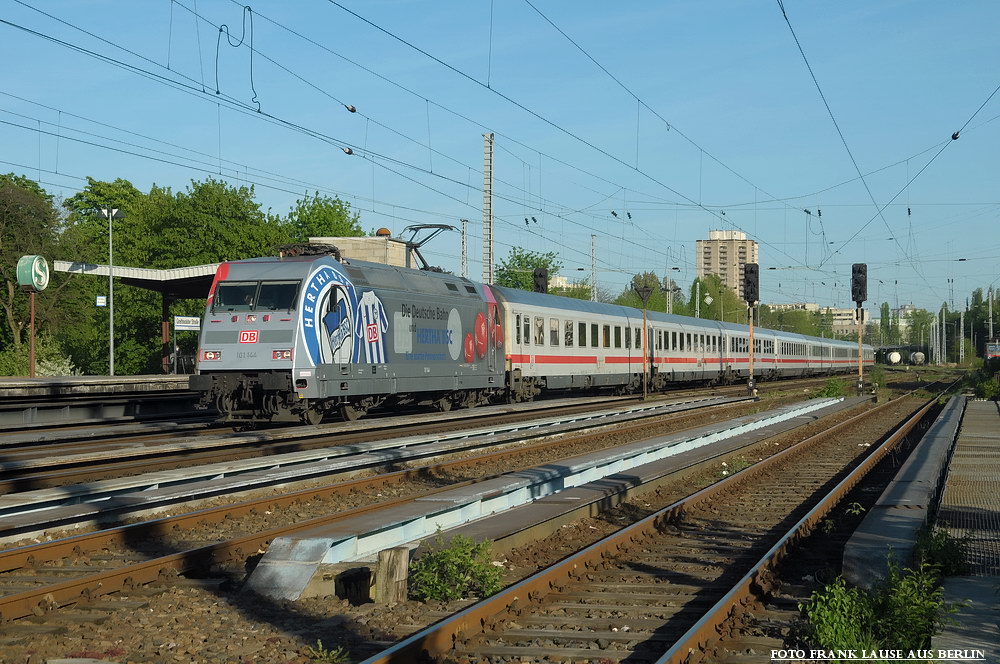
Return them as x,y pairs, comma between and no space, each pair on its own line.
670,587
81,568
53,462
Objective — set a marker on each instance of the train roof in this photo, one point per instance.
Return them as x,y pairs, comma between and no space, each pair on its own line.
380,275
517,296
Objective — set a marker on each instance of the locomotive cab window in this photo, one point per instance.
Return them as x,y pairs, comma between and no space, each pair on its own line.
235,296
277,295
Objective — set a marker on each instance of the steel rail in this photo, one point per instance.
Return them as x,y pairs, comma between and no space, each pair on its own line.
485,614
708,631
82,589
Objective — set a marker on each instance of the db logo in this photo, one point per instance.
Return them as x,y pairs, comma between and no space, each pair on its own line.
248,336
372,332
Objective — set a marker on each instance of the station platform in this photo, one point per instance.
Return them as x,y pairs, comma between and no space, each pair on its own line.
21,387
906,504
27,403
970,509
955,468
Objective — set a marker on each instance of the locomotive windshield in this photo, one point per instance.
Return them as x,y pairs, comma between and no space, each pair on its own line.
255,296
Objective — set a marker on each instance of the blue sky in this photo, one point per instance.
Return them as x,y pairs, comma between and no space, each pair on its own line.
728,120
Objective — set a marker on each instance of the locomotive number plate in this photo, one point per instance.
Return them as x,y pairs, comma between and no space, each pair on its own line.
249,336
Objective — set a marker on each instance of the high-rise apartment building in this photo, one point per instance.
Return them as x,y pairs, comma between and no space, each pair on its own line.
725,253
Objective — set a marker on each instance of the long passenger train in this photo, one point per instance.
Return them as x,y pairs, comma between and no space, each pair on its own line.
297,338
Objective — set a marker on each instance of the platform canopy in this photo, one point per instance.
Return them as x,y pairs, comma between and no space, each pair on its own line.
192,282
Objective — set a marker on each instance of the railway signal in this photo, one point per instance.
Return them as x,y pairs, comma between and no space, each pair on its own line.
541,280
751,283
859,293
751,293
859,283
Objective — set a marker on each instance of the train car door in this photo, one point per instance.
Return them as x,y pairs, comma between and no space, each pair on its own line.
493,336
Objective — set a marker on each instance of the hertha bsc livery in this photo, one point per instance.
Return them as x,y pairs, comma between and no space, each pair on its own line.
338,326
328,301
370,326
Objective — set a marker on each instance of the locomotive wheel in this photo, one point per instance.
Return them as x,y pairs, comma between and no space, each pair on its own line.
350,413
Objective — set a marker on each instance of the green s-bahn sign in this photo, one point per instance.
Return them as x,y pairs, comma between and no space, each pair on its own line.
32,273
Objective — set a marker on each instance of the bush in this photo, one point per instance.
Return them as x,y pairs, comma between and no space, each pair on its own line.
834,387
945,553
461,569
903,612
49,359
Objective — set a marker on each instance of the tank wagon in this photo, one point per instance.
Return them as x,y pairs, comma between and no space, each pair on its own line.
917,357
298,338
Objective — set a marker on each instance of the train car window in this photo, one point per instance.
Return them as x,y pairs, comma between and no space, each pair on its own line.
680,344
618,336
527,329
701,342
568,329
277,295
689,344
539,331
607,336
553,331
628,338
593,335
583,334
659,340
235,296
517,328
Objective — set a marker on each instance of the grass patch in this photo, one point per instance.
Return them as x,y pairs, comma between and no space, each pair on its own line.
461,569
903,612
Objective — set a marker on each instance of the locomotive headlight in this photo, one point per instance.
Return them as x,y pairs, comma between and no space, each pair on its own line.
211,355
281,354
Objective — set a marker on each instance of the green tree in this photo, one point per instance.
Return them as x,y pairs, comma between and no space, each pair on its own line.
919,322
323,216
884,322
209,222
724,304
657,298
29,224
517,269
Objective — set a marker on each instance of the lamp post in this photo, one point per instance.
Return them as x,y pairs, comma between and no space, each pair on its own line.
111,213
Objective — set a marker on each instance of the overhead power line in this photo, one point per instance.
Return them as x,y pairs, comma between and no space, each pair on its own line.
554,125
837,126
